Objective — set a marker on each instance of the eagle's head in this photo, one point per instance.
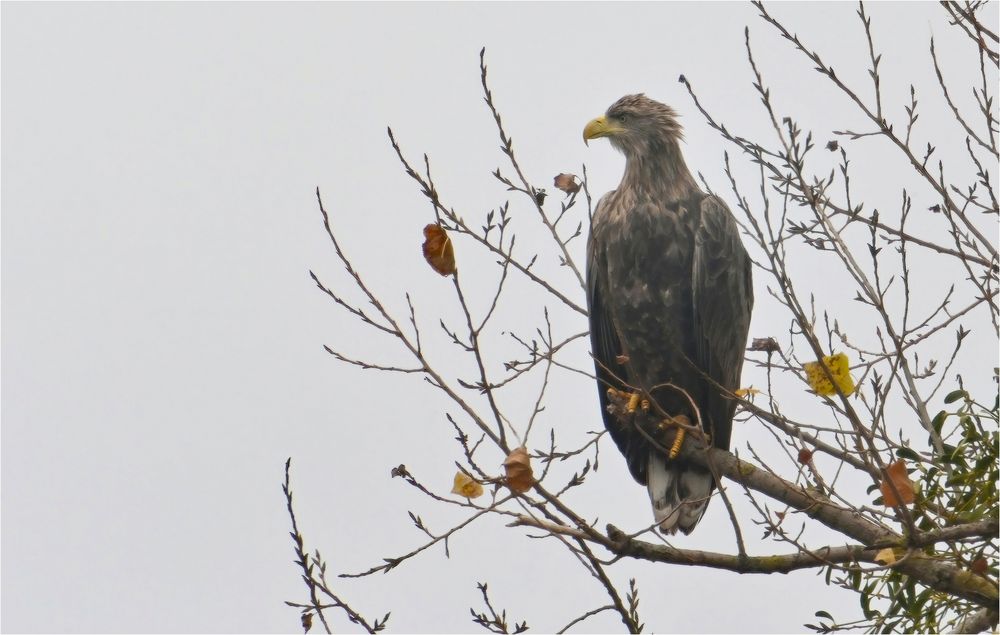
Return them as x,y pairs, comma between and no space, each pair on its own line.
636,126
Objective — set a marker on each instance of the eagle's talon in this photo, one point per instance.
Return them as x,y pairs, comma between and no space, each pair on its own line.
633,403
621,395
644,404
678,423
675,449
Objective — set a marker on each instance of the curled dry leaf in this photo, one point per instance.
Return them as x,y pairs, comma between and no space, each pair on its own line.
466,486
979,566
438,250
805,455
743,393
766,344
518,467
904,486
840,369
567,183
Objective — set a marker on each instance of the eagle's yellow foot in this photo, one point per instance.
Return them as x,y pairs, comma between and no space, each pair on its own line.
625,403
617,395
677,424
633,400
675,449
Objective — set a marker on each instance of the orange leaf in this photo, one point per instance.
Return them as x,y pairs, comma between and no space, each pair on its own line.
567,183
438,250
465,486
518,466
805,455
897,475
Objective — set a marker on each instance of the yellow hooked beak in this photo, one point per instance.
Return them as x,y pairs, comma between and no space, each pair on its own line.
599,127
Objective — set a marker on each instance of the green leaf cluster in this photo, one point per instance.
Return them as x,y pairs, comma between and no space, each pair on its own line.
954,487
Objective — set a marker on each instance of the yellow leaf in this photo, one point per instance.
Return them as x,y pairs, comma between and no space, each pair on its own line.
465,486
746,392
896,473
438,250
518,466
886,556
839,369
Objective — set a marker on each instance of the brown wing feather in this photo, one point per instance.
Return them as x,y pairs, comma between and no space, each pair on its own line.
606,347
722,298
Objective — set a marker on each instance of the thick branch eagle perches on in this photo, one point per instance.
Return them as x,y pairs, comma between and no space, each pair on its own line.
670,295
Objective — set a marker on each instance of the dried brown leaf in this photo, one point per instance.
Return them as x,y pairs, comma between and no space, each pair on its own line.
438,250
766,344
896,474
567,183
518,467
979,566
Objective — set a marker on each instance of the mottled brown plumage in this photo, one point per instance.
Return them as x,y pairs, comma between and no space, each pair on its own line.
669,290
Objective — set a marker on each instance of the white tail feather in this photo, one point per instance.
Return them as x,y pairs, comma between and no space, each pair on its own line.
679,494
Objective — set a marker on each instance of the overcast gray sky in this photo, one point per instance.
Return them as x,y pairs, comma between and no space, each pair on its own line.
162,341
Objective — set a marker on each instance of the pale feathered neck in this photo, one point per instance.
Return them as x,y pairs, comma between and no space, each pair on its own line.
658,171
